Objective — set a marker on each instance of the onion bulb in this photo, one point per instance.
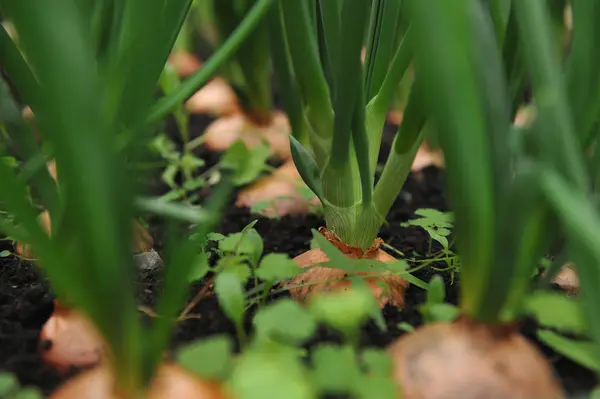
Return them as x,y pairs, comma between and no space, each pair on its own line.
68,339
184,63
395,117
171,382
215,98
567,280
280,189
223,132
426,156
470,360
392,293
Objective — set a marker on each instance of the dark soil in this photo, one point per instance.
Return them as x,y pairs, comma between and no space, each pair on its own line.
26,302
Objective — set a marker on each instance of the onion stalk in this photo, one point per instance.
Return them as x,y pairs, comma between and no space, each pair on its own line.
338,107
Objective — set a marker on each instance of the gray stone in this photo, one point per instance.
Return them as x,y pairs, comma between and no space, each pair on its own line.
150,260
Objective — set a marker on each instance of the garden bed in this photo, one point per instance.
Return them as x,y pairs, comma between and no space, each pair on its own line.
26,302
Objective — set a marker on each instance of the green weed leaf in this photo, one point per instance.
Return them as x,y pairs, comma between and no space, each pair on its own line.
436,217
557,311
581,352
245,164
11,162
215,236
376,387
11,389
435,309
285,321
235,265
434,234
247,242
8,384
4,253
439,312
200,268
229,291
209,358
437,291
377,362
272,374
404,326
436,223
335,369
191,162
344,311
274,267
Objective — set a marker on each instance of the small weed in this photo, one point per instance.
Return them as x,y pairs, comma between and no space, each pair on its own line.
439,226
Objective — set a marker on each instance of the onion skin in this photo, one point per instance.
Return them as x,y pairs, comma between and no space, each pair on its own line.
470,360
184,63
567,280
225,131
284,182
395,285
214,98
68,339
171,382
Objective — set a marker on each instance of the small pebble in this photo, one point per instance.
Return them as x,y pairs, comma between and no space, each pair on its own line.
150,260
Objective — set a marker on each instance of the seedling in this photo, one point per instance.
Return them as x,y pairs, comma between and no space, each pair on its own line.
280,328
435,309
437,224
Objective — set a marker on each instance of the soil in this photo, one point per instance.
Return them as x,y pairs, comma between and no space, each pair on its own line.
26,301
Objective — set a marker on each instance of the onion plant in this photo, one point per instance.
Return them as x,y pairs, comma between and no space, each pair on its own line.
243,101
90,80
574,112
472,61
249,71
337,108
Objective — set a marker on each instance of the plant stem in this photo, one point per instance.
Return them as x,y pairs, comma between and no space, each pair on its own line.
405,146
